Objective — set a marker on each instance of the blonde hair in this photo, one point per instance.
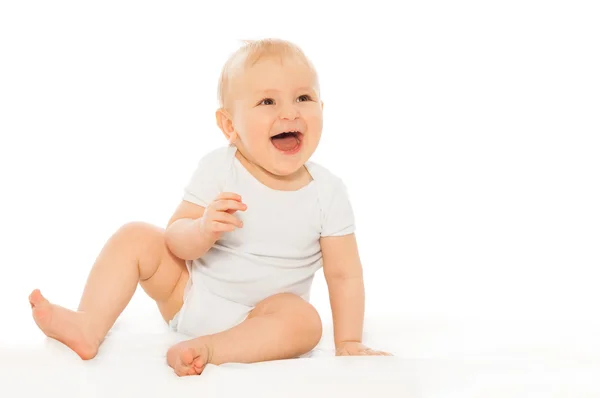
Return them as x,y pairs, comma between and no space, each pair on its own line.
250,54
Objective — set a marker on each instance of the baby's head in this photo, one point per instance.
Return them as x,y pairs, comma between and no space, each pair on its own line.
269,87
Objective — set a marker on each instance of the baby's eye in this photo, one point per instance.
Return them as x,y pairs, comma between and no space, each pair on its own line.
267,101
304,98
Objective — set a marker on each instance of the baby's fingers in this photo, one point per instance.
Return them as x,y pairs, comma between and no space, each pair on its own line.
229,195
229,205
227,218
378,353
222,227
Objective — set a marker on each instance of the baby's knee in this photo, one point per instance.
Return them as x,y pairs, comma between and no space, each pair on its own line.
140,233
305,317
311,322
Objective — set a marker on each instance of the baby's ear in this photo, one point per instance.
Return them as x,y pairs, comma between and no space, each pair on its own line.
226,124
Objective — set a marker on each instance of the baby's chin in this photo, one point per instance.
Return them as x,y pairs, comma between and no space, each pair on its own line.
282,164
285,170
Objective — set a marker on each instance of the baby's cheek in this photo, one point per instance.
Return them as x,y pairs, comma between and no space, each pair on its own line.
258,134
250,129
315,122
260,124
314,114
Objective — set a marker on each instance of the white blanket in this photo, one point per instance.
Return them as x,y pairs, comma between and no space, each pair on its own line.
432,359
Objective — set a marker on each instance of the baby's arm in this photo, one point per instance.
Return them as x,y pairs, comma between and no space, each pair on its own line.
344,276
193,229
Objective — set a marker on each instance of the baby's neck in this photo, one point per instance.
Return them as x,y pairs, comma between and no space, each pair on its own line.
291,182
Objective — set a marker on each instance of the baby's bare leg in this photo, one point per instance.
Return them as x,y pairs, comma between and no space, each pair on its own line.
135,253
280,327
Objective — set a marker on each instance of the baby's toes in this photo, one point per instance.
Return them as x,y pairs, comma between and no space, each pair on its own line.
198,365
191,371
180,366
192,363
181,369
187,357
198,362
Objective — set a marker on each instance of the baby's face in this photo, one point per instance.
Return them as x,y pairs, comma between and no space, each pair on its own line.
277,96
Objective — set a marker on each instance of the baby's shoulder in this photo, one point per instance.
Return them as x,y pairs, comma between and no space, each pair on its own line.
328,183
326,179
333,199
218,157
212,168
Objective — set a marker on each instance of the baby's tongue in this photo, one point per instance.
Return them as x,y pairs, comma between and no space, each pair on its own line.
286,143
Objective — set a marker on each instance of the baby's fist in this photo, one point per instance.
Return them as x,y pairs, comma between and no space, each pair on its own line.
218,216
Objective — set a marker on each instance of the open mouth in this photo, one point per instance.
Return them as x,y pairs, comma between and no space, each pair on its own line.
287,142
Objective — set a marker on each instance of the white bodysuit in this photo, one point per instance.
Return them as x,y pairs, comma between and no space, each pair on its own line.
276,251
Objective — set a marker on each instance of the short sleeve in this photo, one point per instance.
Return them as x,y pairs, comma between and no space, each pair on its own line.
206,181
339,215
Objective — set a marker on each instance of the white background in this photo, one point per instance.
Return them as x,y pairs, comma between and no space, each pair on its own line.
467,134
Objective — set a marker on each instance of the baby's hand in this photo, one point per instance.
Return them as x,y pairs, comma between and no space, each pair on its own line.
355,348
218,216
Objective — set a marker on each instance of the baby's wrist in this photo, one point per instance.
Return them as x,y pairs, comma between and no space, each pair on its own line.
344,342
206,235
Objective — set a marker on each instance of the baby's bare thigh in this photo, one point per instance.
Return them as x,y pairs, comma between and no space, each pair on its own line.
163,276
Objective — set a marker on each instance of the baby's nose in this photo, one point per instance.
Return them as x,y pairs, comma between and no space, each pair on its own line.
289,112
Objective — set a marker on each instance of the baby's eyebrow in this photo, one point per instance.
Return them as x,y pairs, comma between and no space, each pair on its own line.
267,91
311,89
275,91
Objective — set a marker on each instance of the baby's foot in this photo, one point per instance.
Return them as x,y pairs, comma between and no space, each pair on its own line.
189,357
69,327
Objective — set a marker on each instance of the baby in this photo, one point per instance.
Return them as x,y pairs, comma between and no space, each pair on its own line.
234,266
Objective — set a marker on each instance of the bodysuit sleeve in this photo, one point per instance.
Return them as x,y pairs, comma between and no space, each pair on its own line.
206,182
339,216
